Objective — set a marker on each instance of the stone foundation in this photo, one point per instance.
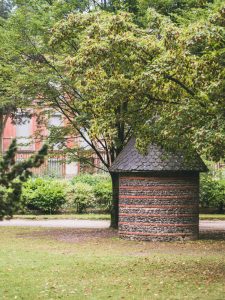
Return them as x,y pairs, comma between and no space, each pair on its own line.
159,208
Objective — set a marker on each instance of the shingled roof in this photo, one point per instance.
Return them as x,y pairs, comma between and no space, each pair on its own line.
156,159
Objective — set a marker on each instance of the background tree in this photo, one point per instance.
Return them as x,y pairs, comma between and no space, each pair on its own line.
12,176
170,7
5,109
200,117
111,79
110,49
10,66
9,103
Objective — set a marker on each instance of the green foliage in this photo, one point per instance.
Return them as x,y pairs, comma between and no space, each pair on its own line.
212,193
91,179
197,47
131,6
159,82
81,196
43,195
168,7
12,175
9,201
111,78
103,194
84,192
98,189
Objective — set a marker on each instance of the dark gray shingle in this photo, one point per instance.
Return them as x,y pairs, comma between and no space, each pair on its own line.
157,159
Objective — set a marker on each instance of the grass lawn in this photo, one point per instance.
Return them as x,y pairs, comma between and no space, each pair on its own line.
64,216
98,217
94,264
212,217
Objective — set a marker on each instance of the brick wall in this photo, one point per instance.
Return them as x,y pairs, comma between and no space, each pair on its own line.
159,207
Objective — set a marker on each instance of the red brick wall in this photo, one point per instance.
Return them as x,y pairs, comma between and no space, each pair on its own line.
159,208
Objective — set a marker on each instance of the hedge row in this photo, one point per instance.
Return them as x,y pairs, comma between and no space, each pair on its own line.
46,195
212,193
95,192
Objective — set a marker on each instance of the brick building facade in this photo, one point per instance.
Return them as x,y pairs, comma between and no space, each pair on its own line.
158,194
25,129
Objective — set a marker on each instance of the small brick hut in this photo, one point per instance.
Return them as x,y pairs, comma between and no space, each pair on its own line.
158,194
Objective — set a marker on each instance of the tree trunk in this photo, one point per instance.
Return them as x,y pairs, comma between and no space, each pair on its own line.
115,201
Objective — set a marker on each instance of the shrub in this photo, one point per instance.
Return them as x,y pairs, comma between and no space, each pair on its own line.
44,195
12,176
103,194
212,193
90,179
81,196
100,194
8,205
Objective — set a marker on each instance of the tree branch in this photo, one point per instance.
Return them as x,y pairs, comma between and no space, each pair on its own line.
181,84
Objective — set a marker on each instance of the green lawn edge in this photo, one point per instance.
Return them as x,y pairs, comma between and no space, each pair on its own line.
212,217
98,217
64,216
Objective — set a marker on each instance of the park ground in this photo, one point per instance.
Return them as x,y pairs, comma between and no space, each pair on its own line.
68,263
98,217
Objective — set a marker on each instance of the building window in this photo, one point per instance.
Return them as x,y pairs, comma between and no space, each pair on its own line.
55,167
55,121
23,133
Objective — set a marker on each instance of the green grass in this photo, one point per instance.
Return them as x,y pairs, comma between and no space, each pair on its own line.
98,217
76,264
212,217
64,216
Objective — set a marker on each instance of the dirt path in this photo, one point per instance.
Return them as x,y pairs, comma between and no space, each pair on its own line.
212,225
204,225
57,223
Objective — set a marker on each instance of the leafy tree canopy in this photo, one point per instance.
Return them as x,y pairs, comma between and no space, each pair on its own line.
168,7
200,118
110,78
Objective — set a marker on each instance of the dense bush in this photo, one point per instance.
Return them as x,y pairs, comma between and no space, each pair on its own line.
81,196
44,195
212,193
90,179
10,201
103,194
91,191
47,195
